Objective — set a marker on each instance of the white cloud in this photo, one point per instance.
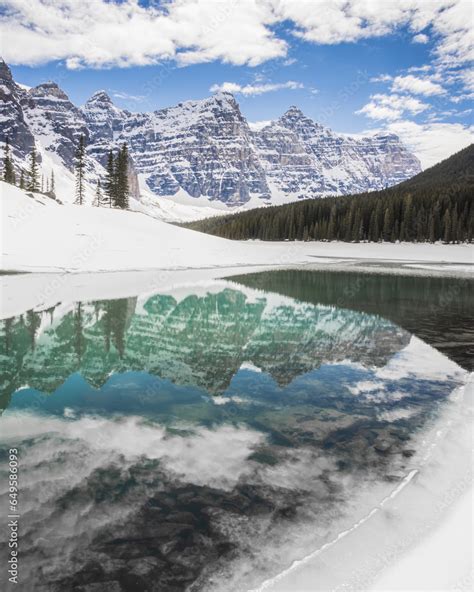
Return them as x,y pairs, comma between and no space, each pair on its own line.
382,78
432,141
419,86
424,68
420,38
467,77
102,33
254,89
391,107
336,21
256,126
126,97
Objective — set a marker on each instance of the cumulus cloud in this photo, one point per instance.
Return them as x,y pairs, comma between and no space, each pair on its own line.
254,89
99,33
102,33
450,22
420,38
419,86
391,107
382,78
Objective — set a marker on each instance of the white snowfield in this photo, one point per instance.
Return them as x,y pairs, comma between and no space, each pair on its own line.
39,234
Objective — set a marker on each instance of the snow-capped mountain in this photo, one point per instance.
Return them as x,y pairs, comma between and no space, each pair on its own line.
201,149
54,120
301,157
12,119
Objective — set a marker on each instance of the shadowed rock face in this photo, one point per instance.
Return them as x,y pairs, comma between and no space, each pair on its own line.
12,120
50,113
204,148
200,340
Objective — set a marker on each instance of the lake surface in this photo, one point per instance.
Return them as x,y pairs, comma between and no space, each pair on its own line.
203,438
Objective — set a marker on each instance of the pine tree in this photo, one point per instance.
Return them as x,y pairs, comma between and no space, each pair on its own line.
8,170
80,170
331,233
98,201
110,180
22,179
33,172
387,224
52,186
121,178
447,226
432,228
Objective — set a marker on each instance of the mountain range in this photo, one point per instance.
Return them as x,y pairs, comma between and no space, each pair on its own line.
201,149
431,206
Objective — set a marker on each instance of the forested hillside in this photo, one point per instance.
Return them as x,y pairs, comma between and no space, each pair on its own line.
434,205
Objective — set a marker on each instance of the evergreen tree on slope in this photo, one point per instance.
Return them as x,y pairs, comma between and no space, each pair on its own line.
80,171
33,175
8,170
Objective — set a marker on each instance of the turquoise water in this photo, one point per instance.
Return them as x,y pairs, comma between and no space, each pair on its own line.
197,439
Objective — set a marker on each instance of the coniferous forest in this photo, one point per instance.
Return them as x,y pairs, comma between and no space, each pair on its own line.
436,205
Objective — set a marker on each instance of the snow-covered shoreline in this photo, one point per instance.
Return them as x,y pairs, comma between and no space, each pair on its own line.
40,235
419,538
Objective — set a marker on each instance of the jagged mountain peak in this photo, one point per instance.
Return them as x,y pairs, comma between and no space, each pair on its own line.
221,100
5,72
224,96
293,111
100,97
387,136
295,118
48,89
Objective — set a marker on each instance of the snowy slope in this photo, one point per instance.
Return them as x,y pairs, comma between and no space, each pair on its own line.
39,234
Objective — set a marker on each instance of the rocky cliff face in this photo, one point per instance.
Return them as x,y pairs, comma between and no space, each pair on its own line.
12,120
204,148
302,158
54,120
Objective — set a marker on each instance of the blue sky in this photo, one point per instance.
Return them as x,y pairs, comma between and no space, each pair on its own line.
355,66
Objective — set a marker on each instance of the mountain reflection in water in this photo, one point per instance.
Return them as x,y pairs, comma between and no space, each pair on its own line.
181,440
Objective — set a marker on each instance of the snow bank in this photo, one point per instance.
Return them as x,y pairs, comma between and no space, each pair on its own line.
41,235
38,234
